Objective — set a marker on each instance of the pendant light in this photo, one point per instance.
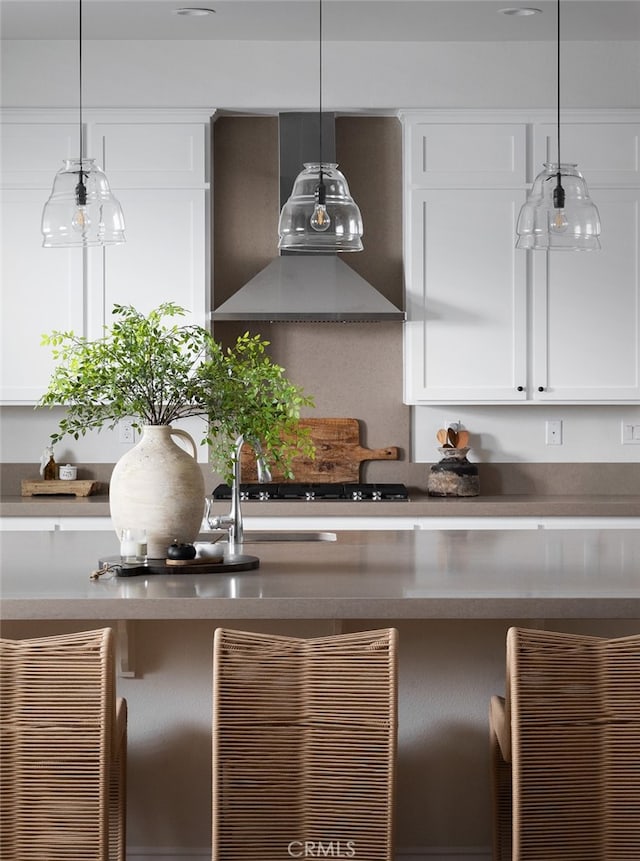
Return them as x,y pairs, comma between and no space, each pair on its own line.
558,214
81,210
320,215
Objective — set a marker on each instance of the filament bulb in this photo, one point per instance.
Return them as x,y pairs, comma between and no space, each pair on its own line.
80,221
559,221
320,219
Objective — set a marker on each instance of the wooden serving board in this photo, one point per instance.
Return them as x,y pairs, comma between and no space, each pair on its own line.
79,487
339,454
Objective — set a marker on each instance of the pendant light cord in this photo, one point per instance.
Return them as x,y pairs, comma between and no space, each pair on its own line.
558,77
558,191
81,190
320,192
320,78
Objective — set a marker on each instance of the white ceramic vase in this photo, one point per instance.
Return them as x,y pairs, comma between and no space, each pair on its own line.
159,487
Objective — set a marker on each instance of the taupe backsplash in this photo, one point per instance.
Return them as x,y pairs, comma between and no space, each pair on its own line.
496,479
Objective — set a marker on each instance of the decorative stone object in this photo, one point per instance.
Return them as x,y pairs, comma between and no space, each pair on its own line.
159,487
453,475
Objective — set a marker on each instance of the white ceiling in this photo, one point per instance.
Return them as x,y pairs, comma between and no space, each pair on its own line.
297,20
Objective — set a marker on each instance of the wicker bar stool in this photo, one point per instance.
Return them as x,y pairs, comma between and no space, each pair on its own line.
565,749
304,746
62,750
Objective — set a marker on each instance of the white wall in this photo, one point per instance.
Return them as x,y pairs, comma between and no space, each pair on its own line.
508,434
283,75
26,432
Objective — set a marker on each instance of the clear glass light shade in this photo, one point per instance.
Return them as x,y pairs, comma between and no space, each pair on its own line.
307,224
542,225
76,217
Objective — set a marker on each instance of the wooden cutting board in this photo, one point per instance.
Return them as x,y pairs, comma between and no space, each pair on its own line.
338,454
82,487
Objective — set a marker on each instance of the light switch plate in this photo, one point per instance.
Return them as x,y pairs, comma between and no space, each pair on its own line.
630,434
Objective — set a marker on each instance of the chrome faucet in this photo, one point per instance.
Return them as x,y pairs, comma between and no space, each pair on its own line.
233,522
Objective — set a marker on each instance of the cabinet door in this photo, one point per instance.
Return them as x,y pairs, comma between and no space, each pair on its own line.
42,290
465,336
606,152
41,287
466,155
163,259
151,154
586,310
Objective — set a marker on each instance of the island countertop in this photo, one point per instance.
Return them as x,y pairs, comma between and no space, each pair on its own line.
439,574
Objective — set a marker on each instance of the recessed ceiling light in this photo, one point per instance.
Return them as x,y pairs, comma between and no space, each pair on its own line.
194,11
521,11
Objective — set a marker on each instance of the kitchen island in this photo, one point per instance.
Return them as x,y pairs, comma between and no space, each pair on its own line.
451,594
439,574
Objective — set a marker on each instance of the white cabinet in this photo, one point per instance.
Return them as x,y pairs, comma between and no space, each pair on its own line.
465,335
466,329
489,324
157,166
41,288
586,307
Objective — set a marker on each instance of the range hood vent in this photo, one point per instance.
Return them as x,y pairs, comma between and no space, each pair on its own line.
299,286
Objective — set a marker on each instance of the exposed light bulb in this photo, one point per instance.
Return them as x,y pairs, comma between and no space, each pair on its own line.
320,219
558,221
80,221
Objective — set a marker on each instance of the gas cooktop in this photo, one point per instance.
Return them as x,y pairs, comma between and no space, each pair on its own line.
313,492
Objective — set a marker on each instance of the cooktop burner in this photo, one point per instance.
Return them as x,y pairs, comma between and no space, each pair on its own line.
312,492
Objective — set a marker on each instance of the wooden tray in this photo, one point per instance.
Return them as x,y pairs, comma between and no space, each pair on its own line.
339,454
82,487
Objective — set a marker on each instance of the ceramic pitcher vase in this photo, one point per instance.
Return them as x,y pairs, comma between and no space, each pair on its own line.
159,487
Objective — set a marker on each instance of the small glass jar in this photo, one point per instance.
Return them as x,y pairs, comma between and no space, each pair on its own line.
133,545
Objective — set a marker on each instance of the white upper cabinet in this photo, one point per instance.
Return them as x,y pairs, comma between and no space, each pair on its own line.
465,155
465,335
156,163
487,323
586,315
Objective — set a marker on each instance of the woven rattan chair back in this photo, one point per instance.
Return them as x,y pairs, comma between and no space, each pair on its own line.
304,746
565,747
62,750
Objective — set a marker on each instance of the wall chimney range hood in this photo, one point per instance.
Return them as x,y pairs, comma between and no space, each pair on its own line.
300,286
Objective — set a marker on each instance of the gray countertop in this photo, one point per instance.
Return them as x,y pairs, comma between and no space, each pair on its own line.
418,505
439,574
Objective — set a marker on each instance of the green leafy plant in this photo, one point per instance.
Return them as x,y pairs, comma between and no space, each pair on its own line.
157,373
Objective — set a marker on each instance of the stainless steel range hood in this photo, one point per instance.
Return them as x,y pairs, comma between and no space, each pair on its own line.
300,286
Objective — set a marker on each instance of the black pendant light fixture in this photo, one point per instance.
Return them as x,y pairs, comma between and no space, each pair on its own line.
558,214
320,215
81,210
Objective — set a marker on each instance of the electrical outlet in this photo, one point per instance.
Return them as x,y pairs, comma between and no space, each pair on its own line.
553,432
126,431
630,434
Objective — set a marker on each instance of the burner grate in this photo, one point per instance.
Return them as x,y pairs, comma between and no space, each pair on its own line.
313,492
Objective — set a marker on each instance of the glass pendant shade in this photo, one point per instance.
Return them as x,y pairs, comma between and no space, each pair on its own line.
314,222
544,226
81,210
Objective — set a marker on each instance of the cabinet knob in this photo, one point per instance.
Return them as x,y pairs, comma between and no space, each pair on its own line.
541,388
520,389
